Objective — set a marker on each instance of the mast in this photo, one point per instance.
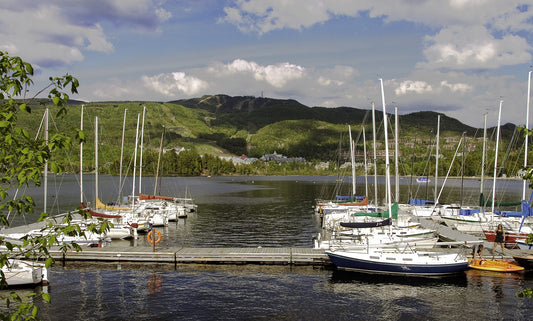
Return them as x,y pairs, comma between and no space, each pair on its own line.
524,187
352,159
159,160
121,155
375,154
397,171
45,203
483,158
437,157
141,155
95,159
496,156
462,170
364,153
81,158
387,164
135,159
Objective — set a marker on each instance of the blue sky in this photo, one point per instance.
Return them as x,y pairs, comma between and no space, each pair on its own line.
457,57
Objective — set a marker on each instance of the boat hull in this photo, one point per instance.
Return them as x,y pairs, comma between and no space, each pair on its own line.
510,237
371,263
524,260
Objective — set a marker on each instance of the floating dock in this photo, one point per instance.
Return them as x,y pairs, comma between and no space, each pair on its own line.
233,255
199,255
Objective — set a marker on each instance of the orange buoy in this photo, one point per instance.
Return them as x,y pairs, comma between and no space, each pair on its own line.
154,236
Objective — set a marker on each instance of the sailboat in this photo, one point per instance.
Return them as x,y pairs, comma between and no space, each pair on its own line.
399,260
22,272
342,202
514,229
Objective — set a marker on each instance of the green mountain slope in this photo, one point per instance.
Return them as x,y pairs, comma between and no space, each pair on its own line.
223,125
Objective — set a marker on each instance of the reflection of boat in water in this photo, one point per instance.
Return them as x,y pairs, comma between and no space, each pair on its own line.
341,277
423,179
496,265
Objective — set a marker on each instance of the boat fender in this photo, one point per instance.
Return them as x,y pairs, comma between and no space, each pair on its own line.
154,239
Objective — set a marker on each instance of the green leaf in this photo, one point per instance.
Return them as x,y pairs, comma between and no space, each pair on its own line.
56,100
46,297
49,262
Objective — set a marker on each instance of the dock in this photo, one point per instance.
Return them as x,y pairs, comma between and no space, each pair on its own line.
234,255
199,255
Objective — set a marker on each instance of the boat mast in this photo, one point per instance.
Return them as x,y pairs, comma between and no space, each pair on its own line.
81,157
387,164
524,187
496,157
366,166
483,159
375,155
141,155
121,155
159,160
45,203
437,157
352,159
135,160
397,171
95,159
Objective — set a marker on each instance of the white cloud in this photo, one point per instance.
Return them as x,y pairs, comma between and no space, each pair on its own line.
410,86
264,16
473,33
276,75
457,87
474,48
57,32
175,83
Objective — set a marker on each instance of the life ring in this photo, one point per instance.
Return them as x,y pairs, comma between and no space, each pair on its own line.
152,239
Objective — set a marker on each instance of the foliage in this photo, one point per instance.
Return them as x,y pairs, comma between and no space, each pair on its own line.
223,126
526,293
22,159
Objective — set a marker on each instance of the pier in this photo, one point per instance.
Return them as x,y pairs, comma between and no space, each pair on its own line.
199,255
239,255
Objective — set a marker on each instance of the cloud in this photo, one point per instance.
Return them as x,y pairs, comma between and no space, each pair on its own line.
410,86
276,75
457,87
470,34
265,16
474,48
175,83
57,32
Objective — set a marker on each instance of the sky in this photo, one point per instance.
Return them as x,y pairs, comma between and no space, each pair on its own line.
456,57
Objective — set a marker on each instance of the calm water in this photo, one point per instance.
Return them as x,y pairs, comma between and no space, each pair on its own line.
267,211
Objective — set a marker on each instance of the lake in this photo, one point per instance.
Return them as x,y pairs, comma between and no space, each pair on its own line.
267,212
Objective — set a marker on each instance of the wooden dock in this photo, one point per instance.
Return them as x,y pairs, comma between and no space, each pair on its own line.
233,255
199,255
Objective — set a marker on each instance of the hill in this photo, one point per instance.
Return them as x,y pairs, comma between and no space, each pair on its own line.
222,125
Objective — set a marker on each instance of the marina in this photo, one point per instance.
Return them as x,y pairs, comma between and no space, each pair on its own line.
247,253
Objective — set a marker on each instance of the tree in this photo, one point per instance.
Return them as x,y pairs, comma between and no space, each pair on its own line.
22,160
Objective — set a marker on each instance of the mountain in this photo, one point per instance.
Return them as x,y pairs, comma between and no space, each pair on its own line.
253,113
226,125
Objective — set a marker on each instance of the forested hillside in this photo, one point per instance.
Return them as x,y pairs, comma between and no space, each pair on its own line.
221,125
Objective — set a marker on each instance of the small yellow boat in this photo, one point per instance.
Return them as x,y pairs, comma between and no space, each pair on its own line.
495,265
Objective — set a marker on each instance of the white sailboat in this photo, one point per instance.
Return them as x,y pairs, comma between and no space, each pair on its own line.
397,260
23,272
